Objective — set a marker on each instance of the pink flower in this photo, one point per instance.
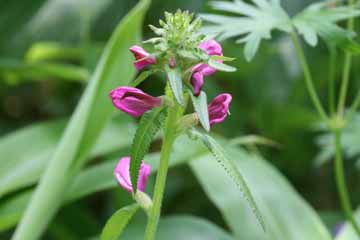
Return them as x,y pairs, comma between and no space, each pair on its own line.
142,57
133,101
219,108
122,174
211,47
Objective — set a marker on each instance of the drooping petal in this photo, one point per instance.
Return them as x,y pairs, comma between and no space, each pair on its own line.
219,108
133,101
197,81
211,47
122,174
142,57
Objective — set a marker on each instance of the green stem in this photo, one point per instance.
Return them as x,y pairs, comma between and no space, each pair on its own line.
354,106
332,77
308,78
347,68
340,182
169,138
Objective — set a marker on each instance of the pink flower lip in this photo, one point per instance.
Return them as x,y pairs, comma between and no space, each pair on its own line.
211,47
133,101
219,108
122,174
143,58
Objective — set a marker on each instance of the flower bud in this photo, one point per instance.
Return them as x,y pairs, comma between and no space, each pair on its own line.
211,47
142,57
133,101
219,108
122,174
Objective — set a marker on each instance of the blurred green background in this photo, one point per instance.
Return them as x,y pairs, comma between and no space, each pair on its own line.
269,99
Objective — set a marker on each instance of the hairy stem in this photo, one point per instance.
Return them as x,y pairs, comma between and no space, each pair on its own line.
340,182
169,138
347,68
308,78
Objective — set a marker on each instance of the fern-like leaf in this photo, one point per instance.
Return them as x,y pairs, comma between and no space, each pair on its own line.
232,170
254,23
319,19
149,125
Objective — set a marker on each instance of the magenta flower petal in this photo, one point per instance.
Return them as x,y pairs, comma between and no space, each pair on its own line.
142,57
122,174
219,108
133,101
197,81
211,47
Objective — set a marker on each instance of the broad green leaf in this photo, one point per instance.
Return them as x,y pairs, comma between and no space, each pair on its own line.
142,77
251,22
23,168
88,120
12,210
231,169
118,222
254,140
17,71
285,212
180,227
201,108
43,51
149,125
347,232
94,179
319,19
176,85
220,66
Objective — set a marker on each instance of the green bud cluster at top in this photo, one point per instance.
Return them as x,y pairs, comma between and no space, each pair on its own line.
178,40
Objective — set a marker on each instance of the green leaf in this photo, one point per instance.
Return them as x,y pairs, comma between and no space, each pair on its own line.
17,71
233,172
180,228
255,22
23,165
220,66
201,108
176,85
319,19
88,120
94,179
142,77
149,125
117,222
286,213
222,58
41,51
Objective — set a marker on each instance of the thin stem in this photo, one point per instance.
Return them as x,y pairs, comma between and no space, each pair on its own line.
347,68
340,182
308,78
354,106
169,138
332,77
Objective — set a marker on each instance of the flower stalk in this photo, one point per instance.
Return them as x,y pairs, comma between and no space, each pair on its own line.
308,77
341,184
169,137
335,125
